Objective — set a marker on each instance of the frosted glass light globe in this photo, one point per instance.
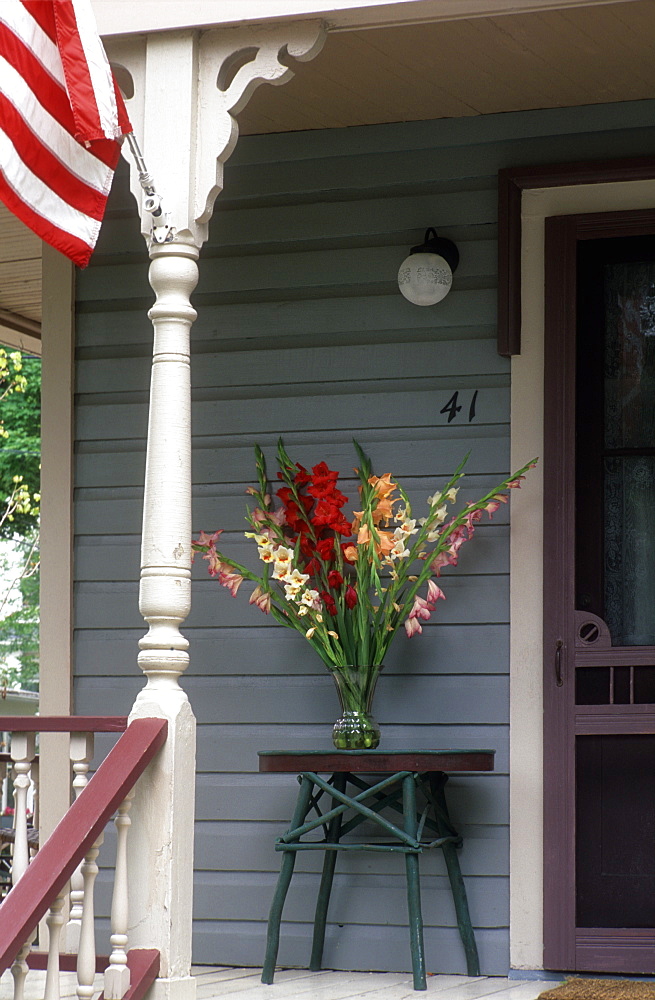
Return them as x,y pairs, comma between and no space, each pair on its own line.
425,278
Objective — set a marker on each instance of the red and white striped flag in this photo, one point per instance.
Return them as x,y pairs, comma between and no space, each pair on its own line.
61,120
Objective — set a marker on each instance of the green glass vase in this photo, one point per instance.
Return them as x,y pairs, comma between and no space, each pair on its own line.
356,729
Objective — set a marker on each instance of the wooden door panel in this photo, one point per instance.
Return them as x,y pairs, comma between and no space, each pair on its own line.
615,831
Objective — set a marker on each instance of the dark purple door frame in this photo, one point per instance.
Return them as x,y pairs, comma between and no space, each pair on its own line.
564,947
512,182
559,466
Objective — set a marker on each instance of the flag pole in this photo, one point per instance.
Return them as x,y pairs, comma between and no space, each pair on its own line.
162,232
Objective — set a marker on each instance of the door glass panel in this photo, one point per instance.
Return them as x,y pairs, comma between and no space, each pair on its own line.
630,550
615,492
629,374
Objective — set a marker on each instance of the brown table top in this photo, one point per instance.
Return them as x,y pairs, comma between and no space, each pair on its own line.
375,761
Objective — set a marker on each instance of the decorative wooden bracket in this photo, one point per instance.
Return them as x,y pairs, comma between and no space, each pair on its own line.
184,90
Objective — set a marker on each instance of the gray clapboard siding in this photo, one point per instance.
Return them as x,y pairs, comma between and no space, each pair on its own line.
472,599
125,465
442,699
103,559
438,359
233,502
336,319
245,797
439,651
447,134
249,847
350,947
353,899
301,332
342,410
115,509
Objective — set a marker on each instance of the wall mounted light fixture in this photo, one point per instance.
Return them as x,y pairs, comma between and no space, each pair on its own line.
426,276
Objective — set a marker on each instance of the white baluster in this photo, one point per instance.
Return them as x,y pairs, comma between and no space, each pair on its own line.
35,793
86,956
3,785
23,749
22,753
81,754
20,968
117,974
55,922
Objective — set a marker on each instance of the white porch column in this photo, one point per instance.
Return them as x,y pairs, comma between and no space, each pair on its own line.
187,87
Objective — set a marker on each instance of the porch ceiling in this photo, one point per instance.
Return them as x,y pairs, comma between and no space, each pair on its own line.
20,282
484,65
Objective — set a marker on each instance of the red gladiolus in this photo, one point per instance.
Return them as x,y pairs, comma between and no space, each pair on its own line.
323,480
302,476
328,601
350,597
335,578
325,549
300,473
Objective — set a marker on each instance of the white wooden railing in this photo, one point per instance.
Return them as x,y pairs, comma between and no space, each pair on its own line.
56,879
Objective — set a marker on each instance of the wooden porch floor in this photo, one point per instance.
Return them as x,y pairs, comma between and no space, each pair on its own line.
296,984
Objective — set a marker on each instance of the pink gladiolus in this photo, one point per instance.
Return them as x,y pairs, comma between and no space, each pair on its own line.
472,519
421,609
458,537
412,627
492,507
262,599
214,561
228,578
434,593
205,539
450,556
443,559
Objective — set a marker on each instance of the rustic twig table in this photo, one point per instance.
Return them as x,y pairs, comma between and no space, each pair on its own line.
388,781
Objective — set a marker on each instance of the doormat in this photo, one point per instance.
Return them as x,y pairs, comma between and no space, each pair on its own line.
601,989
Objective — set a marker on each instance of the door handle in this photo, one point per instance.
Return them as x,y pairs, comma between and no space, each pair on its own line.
558,663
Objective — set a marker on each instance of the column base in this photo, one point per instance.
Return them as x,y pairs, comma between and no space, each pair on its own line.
178,988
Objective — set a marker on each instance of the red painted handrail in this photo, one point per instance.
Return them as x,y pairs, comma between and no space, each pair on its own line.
50,870
63,723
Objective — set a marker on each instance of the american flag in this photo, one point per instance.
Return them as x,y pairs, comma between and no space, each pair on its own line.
61,121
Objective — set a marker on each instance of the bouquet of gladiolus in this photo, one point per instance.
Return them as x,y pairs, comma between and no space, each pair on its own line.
347,584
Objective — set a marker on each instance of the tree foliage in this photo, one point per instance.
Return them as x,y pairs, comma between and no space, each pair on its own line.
20,426
20,440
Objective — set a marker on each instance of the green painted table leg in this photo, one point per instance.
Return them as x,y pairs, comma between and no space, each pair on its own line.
413,887
329,862
438,784
286,871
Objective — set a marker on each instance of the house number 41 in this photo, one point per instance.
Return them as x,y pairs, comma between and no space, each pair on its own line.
452,407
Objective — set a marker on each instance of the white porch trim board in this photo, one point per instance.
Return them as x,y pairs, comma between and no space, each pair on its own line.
56,622
526,563
154,15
